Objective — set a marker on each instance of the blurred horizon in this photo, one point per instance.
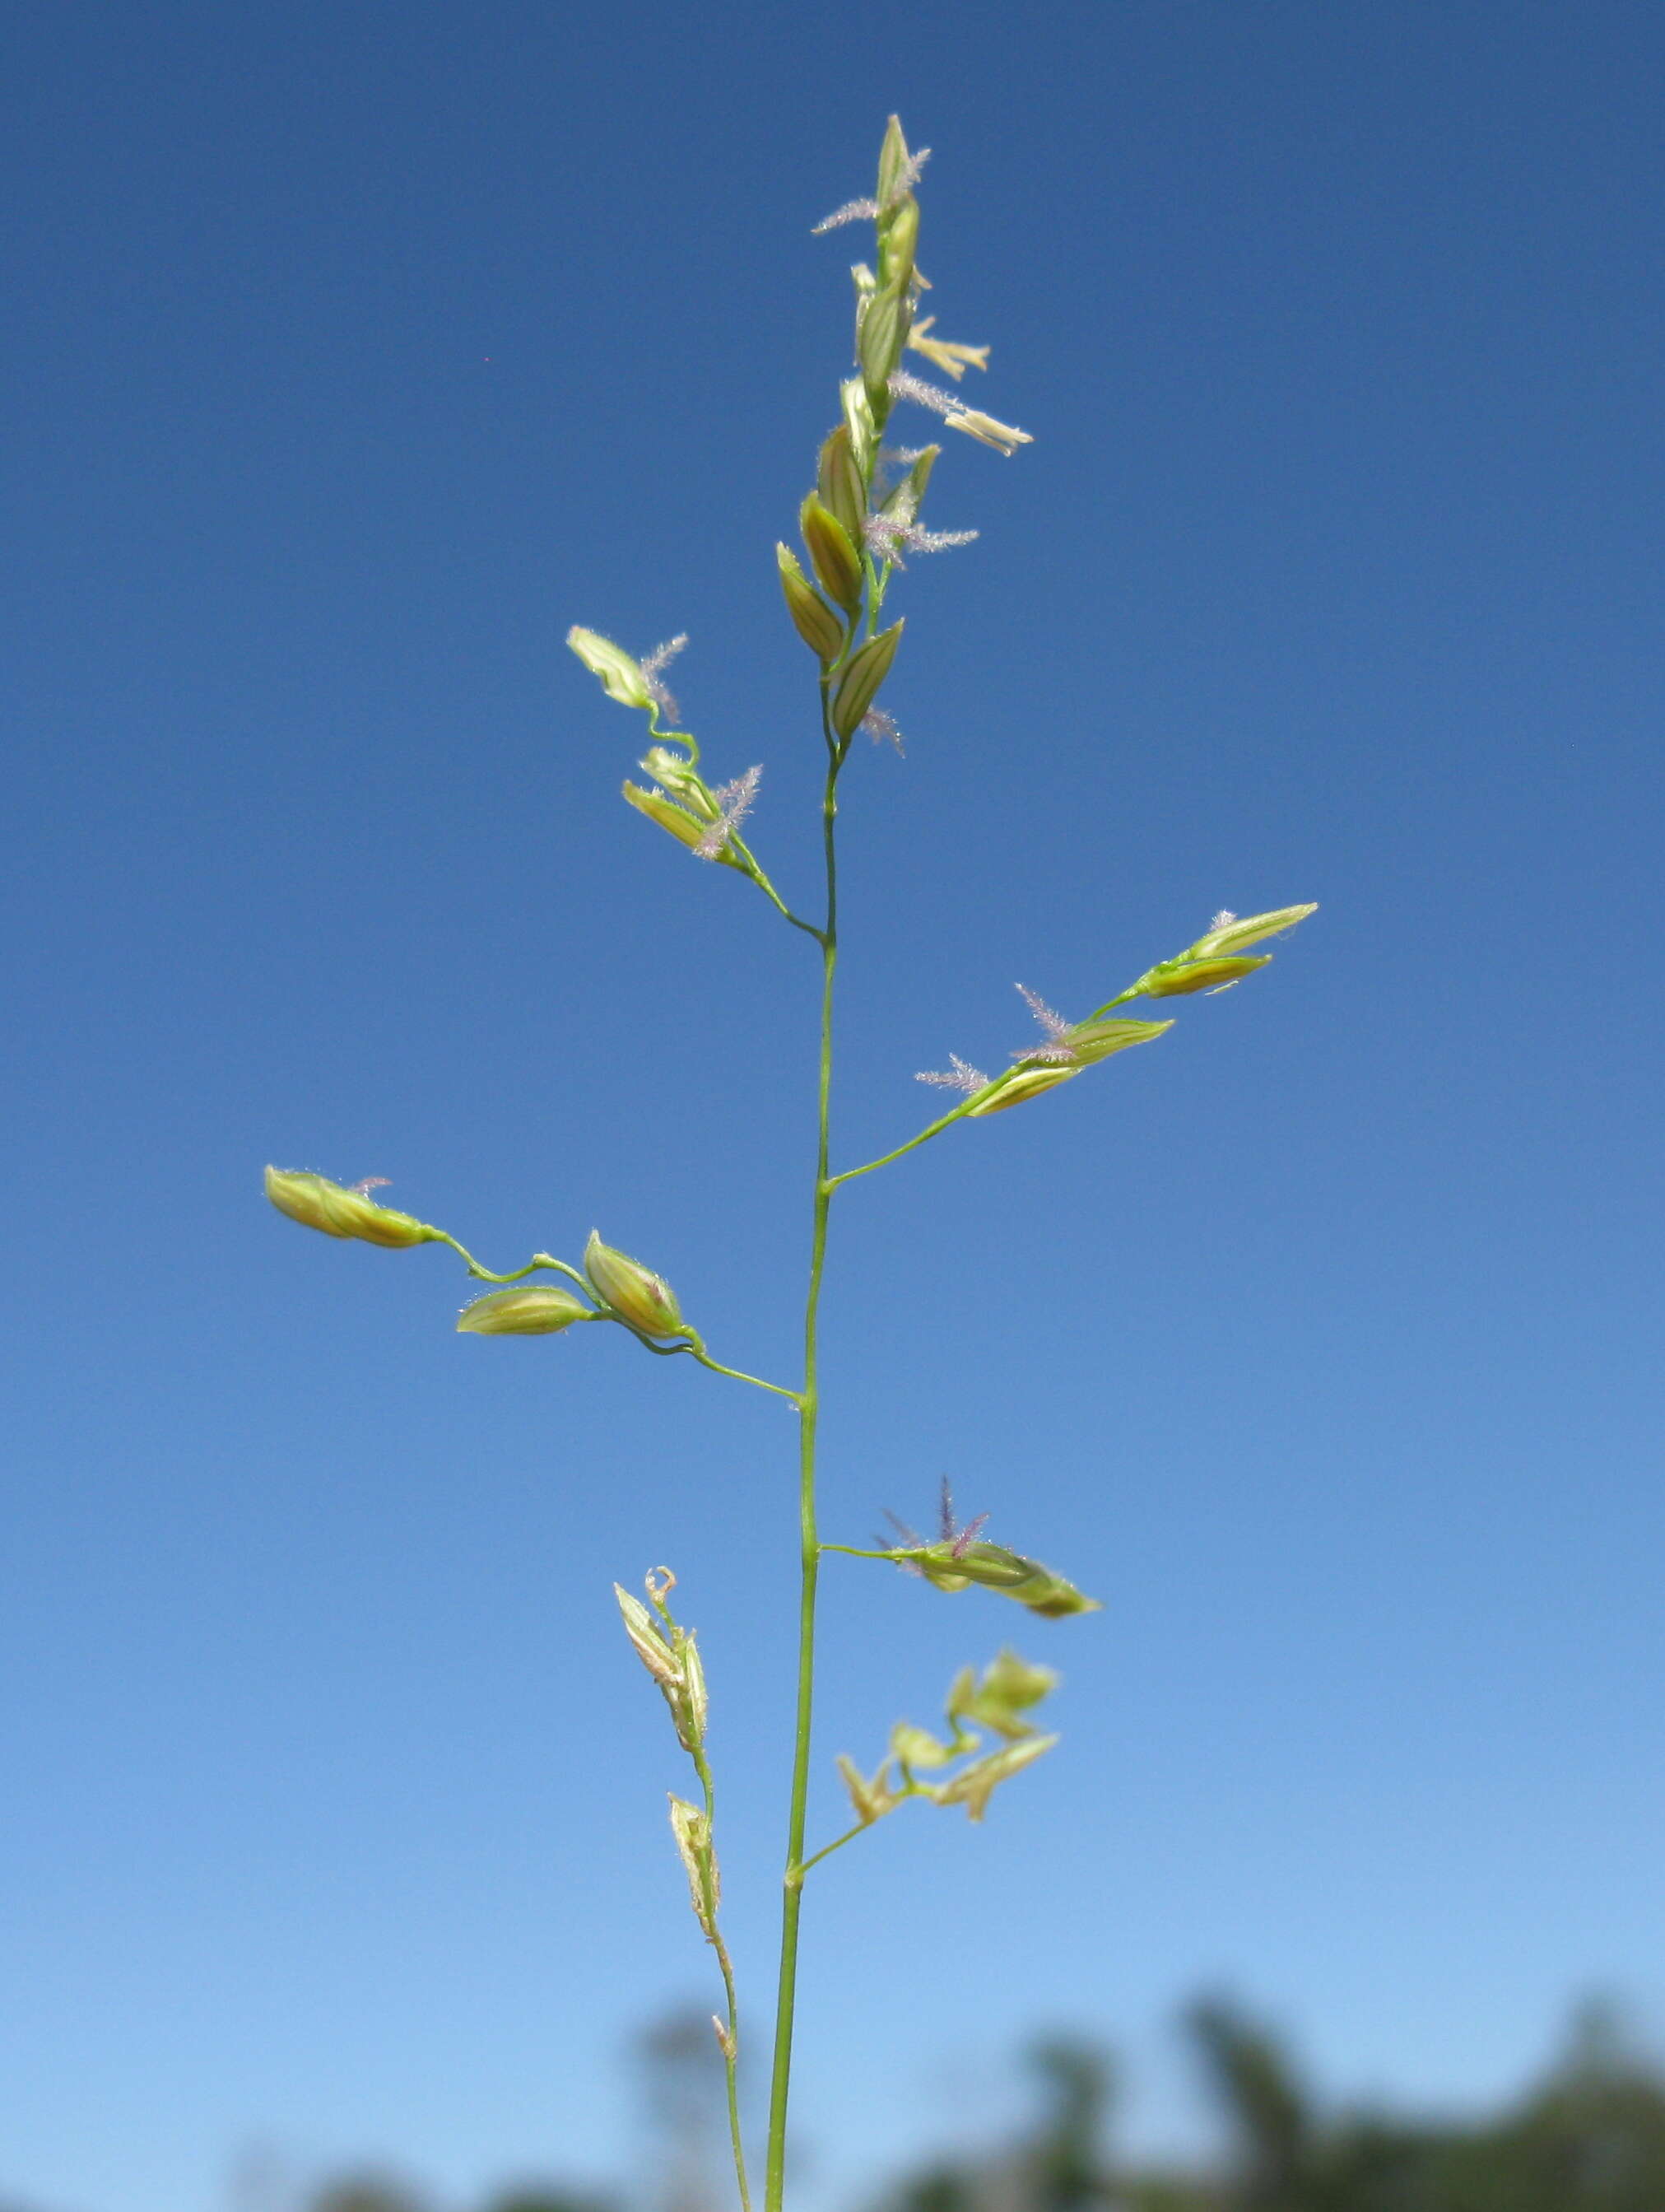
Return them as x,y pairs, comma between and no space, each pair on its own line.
1585,2133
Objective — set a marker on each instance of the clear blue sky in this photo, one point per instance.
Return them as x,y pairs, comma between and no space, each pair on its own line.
353,354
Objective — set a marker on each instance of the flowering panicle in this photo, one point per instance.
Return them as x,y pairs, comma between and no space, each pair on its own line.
860,522
735,801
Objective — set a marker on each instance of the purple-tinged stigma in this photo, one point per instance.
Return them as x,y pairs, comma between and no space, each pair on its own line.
959,1540
885,535
734,802
652,675
868,209
1057,1049
959,1076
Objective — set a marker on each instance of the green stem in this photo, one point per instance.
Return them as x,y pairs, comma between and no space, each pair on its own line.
943,1122
760,879
1109,1005
837,1844
810,1546
910,1788
731,2047
538,1260
717,1368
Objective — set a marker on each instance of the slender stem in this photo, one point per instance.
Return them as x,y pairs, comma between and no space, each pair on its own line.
695,1346
538,1260
731,2047
942,1122
658,1351
810,1546
911,1788
837,1844
760,879
717,1368
1109,1005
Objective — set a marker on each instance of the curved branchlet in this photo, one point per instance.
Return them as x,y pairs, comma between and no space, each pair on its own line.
671,1655
617,1287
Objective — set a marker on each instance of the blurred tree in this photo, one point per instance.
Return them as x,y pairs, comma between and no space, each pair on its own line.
1066,2167
683,2081
1273,2169
368,2192
1590,2139
1058,2165
941,2189
547,2196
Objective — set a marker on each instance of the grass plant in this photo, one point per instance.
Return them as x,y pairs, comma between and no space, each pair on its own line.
860,524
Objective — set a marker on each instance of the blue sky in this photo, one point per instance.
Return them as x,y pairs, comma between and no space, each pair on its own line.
355,354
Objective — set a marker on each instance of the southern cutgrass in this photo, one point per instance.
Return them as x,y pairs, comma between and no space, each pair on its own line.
860,524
